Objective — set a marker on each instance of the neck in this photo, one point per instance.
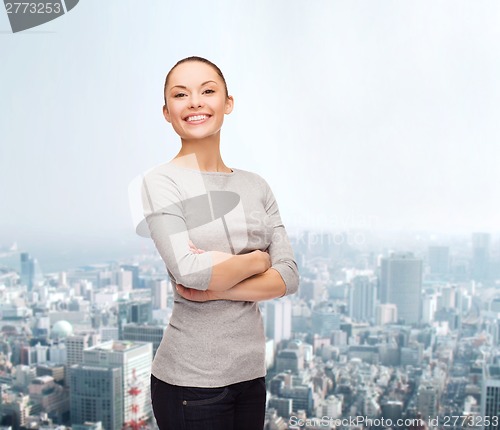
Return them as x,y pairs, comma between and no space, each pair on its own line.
202,154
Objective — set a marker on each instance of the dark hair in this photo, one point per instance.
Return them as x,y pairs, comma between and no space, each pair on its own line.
201,60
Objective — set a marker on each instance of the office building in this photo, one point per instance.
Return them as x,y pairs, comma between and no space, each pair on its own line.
134,358
27,270
428,400
325,319
490,394
134,269
96,394
75,345
159,293
480,256
278,319
49,396
139,312
401,284
386,314
362,298
439,260
144,333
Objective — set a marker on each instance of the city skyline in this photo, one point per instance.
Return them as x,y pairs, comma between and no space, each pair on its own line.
347,346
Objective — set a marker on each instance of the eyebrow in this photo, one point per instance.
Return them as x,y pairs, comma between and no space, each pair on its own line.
183,87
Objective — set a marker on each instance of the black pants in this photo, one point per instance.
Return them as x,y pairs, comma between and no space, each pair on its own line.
239,406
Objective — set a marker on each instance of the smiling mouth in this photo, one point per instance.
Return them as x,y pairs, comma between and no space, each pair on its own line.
194,118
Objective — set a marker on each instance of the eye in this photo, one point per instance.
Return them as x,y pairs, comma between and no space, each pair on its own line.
208,91
179,95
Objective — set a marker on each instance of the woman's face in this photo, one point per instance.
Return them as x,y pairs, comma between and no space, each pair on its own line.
196,101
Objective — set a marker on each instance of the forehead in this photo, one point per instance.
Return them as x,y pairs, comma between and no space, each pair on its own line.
192,73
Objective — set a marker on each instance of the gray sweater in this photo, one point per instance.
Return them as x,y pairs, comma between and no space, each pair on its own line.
214,343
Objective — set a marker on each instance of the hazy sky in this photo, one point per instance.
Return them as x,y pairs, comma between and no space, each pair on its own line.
383,114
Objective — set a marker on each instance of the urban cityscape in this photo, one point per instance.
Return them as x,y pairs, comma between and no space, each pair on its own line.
399,335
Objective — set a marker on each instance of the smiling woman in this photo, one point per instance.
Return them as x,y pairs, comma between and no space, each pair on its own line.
196,109
219,232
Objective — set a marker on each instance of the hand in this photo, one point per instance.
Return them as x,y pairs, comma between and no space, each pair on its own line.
194,249
264,259
195,295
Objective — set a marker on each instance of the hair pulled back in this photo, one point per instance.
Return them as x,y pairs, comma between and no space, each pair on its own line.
193,58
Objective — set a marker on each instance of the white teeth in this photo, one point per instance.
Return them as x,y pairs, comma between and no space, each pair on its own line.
196,117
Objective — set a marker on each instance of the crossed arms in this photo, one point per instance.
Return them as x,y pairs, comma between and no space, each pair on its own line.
213,275
266,285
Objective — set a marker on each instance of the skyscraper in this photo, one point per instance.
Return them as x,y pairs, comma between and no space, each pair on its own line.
325,319
480,256
401,284
278,319
428,400
490,395
134,358
144,333
134,268
439,260
27,270
362,296
76,344
96,394
138,311
159,293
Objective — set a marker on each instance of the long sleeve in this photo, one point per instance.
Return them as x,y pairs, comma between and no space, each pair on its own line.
163,211
280,250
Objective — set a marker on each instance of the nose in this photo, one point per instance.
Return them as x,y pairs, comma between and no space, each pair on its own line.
196,100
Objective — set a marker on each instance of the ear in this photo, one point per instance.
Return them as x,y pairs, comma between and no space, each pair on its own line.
166,114
229,105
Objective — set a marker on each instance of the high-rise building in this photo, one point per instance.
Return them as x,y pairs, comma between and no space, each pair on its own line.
16,408
439,260
49,396
124,279
96,394
325,319
134,358
429,307
332,406
448,297
428,400
362,298
386,314
302,397
490,395
137,311
144,333
76,344
159,293
56,371
480,256
283,406
27,270
134,268
289,359
401,284
278,319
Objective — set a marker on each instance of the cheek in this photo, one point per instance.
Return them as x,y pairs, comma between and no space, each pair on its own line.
174,110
